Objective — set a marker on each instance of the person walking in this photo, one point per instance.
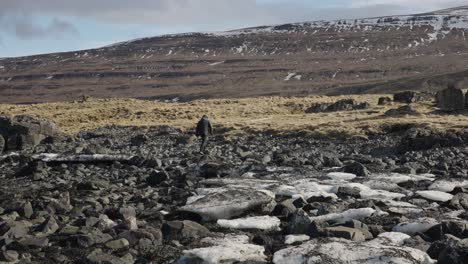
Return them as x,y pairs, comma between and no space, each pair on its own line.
204,130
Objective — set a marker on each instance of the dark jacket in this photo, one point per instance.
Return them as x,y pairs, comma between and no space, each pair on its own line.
204,127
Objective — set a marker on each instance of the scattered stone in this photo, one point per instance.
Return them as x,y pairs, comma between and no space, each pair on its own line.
361,227
357,169
2,144
157,177
345,232
9,256
404,110
49,226
129,217
456,228
407,97
177,230
34,241
385,101
117,244
139,140
455,252
341,105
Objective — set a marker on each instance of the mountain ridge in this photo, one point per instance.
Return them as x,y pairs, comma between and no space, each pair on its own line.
368,55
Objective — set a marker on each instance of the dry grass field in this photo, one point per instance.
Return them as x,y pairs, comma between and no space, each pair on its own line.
279,114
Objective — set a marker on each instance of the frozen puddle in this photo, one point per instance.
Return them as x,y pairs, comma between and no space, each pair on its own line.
268,223
228,249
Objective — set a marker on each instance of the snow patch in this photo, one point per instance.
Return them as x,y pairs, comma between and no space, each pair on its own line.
229,249
341,176
257,222
420,225
292,75
337,250
446,186
396,238
291,239
345,216
216,63
435,195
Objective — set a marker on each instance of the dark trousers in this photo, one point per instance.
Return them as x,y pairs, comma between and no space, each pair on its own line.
203,143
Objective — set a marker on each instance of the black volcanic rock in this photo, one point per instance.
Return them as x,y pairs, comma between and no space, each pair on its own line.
157,177
2,144
22,132
451,99
341,105
357,168
84,212
407,97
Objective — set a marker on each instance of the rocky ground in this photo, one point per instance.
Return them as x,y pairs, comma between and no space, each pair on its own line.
151,197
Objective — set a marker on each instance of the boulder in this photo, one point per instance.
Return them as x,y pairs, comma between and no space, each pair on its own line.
455,252
215,170
459,201
404,110
157,177
129,217
357,169
318,108
342,105
451,99
139,140
117,244
345,232
98,256
466,100
455,228
385,101
22,132
184,230
361,227
2,144
9,256
407,97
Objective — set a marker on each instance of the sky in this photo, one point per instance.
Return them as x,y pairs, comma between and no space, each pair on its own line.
30,27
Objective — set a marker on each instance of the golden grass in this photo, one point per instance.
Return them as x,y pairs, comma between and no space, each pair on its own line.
267,113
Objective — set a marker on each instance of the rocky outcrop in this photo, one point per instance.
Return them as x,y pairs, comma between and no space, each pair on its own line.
2,144
341,105
385,101
404,110
451,99
407,97
22,132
